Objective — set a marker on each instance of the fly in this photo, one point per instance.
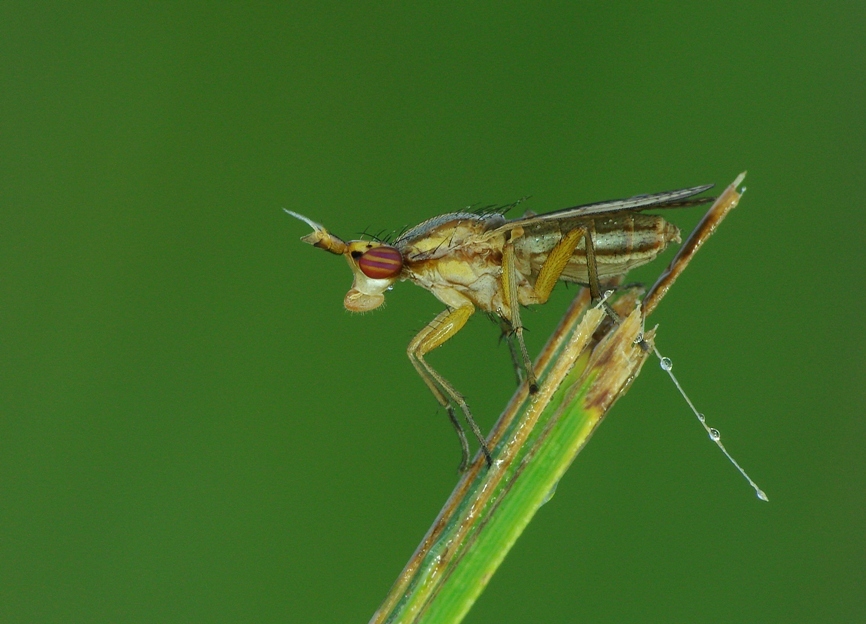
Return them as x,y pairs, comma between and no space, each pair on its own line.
472,261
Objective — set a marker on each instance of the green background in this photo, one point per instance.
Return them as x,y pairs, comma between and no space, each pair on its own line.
192,429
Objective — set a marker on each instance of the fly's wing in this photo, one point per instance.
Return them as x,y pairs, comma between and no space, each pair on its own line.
668,199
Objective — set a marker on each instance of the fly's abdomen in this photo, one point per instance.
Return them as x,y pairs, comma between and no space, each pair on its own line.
621,242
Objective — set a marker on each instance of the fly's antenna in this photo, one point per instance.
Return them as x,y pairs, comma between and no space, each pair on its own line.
307,220
320,237
667,366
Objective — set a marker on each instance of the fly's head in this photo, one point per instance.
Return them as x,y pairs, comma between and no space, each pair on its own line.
375,266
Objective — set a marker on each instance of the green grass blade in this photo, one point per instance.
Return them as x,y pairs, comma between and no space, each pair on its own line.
534,443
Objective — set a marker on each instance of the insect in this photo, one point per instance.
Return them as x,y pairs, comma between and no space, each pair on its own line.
483,261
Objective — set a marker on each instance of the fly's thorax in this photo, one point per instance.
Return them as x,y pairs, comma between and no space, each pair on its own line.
375,267
470,274
441,235
456,257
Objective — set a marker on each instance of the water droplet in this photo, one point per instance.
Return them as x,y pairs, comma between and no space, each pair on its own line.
390,288
638,339
763,496
702,418
666,363
550,494
715,436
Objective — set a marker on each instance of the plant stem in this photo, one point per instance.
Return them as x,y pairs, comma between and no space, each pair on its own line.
587,364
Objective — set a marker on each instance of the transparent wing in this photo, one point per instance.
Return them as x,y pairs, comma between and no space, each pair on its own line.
668,199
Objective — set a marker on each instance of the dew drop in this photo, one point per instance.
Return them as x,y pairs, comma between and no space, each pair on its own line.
714,434
550,494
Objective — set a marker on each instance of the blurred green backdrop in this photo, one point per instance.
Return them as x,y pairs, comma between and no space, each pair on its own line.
192,429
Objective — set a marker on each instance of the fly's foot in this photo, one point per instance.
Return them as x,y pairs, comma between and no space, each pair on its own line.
487,457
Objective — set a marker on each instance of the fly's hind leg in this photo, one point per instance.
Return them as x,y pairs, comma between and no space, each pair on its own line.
557,260
435,334
592,272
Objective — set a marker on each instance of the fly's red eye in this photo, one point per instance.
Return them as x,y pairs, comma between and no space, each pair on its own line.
381,262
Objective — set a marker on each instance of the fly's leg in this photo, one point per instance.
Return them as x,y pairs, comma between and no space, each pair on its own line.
591,265
435,334
592,272
507,332
549,274
464,444
510,286
556,262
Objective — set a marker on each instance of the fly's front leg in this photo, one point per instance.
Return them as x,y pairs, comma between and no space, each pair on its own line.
435,334
509,287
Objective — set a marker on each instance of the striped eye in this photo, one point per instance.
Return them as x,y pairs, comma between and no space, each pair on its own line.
381,262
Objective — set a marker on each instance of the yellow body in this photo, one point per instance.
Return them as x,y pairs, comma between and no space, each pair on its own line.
459,258
471,261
